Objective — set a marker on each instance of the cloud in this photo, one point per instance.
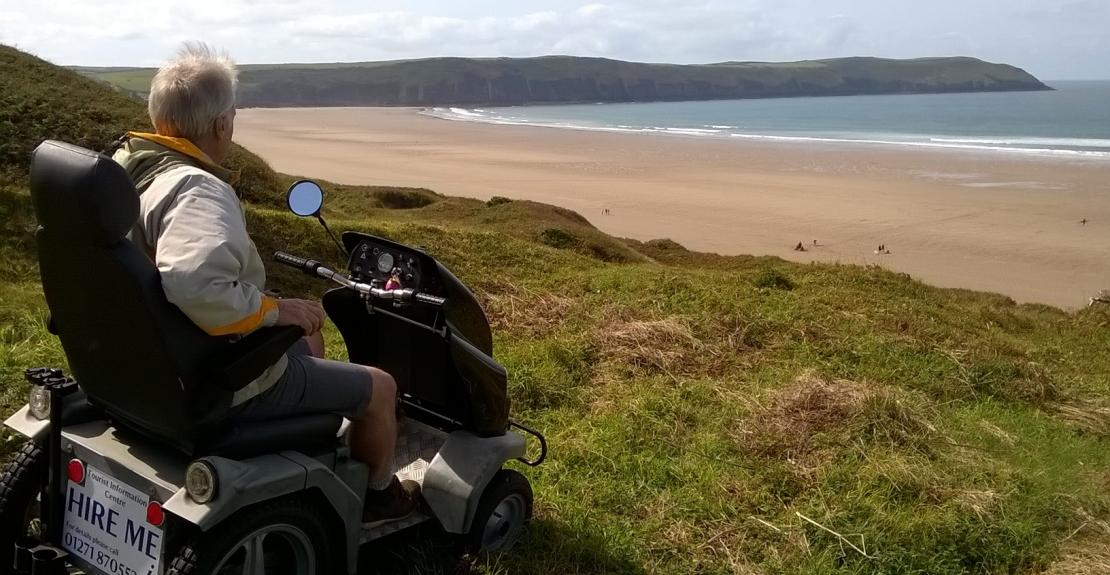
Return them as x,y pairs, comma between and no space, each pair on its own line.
835,32
684,30
1073,10
1064,36
592,11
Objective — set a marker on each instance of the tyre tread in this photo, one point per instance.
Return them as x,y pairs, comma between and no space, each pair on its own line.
19,480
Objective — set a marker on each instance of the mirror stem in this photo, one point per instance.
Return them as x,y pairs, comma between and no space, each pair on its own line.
339,246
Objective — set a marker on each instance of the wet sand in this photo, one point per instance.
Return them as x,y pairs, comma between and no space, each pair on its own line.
992,221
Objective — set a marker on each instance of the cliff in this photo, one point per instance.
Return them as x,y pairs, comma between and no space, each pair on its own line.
566,79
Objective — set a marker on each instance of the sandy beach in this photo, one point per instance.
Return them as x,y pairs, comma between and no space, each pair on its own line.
992,221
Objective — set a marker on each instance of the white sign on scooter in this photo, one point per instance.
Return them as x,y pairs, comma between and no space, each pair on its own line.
106,525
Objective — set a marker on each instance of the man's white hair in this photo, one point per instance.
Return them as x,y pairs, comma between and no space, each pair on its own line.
191,91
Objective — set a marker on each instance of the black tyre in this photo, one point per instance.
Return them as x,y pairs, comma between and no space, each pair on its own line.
20,485
290,536
503,512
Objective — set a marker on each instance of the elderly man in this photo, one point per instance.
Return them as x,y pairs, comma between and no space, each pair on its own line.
192,226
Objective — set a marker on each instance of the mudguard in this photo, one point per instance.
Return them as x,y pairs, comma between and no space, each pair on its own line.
259,479
24,423
336,488
75,410
239,484
460,472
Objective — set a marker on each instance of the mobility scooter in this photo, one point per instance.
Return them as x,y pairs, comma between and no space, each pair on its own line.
131,466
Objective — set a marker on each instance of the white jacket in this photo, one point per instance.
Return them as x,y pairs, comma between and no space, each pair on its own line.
192,225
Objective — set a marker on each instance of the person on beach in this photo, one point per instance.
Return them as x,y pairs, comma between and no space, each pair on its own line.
192,225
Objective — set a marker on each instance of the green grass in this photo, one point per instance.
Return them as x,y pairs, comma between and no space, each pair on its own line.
712,414
135,80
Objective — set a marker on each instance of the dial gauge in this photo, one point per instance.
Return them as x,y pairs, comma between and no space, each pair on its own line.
385,263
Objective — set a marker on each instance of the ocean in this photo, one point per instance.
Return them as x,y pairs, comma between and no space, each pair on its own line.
1073,121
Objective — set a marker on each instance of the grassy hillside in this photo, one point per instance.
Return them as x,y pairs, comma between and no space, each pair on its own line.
714,414
515,81
40,101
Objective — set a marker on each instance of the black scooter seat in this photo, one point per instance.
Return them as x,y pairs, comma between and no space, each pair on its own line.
308,434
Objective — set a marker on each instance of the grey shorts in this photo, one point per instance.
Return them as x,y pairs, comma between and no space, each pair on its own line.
311,385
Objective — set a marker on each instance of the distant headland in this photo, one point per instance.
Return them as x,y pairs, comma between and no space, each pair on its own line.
568,79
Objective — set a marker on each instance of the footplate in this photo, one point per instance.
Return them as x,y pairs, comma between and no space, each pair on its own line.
417,445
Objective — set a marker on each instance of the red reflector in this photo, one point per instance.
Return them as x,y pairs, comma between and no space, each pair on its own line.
154,514
76,471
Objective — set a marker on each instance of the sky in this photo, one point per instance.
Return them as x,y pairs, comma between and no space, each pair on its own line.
1052,39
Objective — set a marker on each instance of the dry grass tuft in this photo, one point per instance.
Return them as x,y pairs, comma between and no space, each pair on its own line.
1085,415
998,432
717,541
978,501
515,309
663,345
1087,552
814,412
674,346
1035,385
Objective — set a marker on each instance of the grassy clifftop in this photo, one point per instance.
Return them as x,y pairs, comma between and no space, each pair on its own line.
716,414
40,101
549,79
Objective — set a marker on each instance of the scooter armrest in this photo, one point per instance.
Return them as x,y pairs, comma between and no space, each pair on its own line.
243,361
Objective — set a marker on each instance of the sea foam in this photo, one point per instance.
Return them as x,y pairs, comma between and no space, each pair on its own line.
1080,148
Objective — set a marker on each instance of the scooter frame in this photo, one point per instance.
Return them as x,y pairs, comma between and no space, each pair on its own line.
453,469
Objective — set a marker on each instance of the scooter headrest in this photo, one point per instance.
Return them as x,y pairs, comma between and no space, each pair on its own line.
82,194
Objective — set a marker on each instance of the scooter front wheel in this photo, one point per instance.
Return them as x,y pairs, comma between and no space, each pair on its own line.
20,488
503,512
289,536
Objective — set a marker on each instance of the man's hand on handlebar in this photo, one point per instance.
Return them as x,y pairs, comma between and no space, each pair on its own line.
308,315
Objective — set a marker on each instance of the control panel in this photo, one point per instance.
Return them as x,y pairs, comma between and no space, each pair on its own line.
385,267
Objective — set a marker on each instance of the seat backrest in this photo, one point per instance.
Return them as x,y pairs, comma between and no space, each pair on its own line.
134,353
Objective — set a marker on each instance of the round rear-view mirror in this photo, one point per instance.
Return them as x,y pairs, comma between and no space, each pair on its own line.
305,198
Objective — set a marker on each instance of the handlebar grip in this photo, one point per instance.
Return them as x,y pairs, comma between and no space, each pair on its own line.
429,299
305,265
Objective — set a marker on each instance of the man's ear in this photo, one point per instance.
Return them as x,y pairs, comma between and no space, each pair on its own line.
221,126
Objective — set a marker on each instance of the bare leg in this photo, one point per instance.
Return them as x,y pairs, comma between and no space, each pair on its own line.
374,435
316,344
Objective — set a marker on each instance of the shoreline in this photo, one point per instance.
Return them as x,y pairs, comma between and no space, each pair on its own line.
936,142
1006,223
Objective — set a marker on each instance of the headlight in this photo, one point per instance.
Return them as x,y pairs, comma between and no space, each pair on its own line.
40,402
200,482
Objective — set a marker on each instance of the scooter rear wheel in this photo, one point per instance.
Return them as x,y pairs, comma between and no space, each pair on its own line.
288,536
20,484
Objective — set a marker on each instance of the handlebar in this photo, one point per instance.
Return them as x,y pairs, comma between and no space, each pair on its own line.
307,266
429,299
315,268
